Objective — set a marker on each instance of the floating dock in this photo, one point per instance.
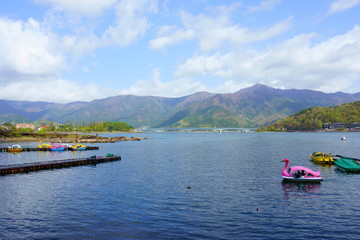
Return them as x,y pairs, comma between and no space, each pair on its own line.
37,166
28,149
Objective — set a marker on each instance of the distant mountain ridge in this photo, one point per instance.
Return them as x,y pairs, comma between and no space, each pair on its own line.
254,106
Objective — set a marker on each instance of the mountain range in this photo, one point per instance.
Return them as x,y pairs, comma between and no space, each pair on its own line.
254,106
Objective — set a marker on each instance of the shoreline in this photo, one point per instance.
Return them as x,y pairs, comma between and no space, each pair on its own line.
67,138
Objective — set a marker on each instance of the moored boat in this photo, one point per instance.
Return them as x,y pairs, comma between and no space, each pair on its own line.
66,146
43,145
15,148
348,164
57,147
78,146
299,174
322,158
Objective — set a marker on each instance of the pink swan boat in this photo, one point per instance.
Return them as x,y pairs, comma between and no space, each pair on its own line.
299,173
57,147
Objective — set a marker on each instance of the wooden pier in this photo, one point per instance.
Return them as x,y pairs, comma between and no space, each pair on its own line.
28,149
37,166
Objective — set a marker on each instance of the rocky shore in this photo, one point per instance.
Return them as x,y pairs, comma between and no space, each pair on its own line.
107,139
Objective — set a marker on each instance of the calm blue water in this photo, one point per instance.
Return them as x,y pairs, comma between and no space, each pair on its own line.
185,186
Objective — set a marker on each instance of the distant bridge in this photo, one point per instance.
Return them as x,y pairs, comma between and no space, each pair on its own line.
220,130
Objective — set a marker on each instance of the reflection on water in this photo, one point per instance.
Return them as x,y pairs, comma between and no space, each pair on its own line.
322,165
294,189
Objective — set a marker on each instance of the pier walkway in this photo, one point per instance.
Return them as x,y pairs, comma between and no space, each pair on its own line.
37,166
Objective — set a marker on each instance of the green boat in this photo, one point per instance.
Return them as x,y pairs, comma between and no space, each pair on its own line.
348,164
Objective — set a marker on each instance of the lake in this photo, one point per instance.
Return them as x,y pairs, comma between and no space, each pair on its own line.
176,185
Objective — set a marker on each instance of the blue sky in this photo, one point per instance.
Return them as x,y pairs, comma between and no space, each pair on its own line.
66,50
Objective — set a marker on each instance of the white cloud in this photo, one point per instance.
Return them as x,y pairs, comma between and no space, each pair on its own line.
342,5
32,50
131,22
82,7
216,32
78,46
201,65
28,52
60,91
79,36
155,87
265,5
295,63
175,37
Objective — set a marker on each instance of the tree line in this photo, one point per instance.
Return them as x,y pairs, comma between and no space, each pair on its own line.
92,126
314,118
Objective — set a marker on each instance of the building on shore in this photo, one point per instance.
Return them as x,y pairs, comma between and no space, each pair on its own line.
337,125
42,127
355,126
25,125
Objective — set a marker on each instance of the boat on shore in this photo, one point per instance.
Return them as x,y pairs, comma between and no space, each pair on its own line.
322,158
15,148
348,164
299,174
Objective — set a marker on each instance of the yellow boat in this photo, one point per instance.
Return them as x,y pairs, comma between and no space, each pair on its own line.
78,147
322,158
43,145
15,148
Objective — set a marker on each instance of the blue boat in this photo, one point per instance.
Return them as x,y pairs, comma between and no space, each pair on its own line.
57,147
